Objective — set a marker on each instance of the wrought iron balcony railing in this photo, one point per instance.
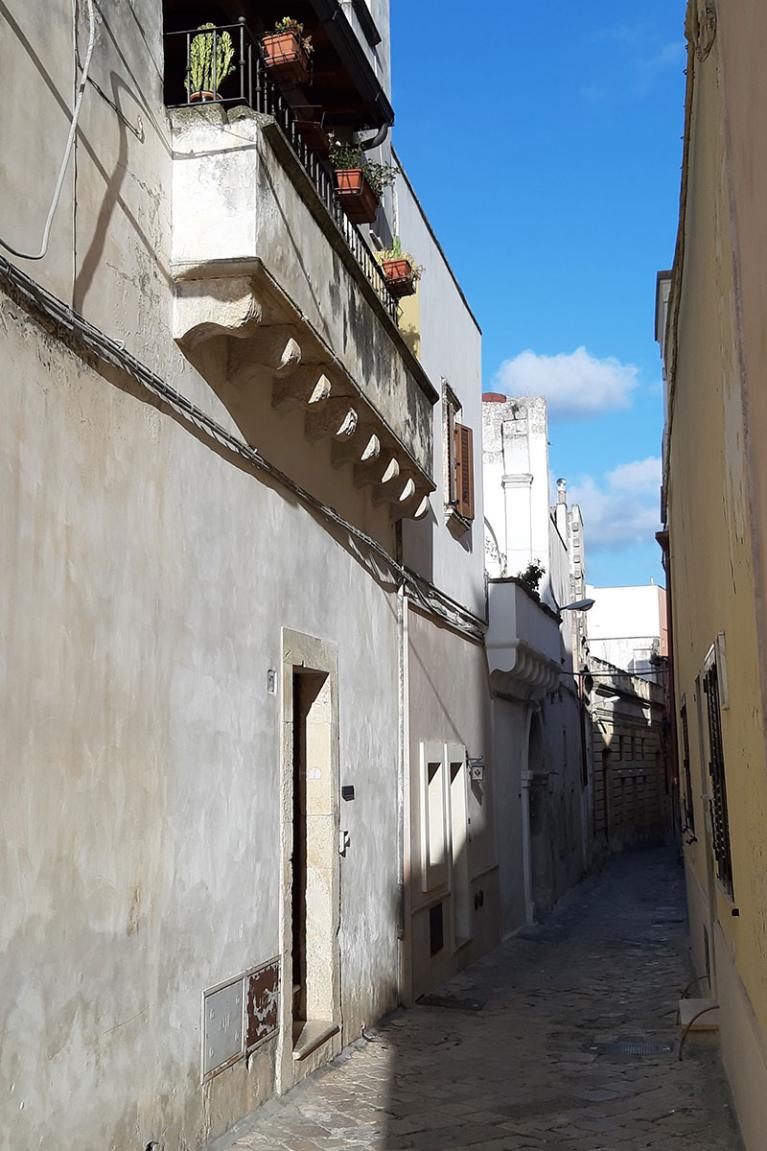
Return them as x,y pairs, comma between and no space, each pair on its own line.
249,83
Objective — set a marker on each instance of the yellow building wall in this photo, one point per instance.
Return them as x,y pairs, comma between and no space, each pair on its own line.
718,442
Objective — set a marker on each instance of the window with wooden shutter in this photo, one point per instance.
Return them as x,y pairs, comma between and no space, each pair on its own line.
464,471
720,820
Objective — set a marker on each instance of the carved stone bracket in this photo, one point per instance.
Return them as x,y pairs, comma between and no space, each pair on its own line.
225,305
272,345
701,30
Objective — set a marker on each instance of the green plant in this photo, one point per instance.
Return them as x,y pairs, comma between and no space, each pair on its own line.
287,24
395,253
345,156
531,578
208,70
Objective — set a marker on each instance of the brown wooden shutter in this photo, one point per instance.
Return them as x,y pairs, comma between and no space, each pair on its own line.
464,470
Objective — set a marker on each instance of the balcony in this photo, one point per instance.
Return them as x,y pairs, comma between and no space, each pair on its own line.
263,254
524,645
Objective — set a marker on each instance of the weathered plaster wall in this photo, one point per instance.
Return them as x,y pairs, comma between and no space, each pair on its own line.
148,580
538,803
450,350
716,514
39,42
511,724
260,203
141,611
449,703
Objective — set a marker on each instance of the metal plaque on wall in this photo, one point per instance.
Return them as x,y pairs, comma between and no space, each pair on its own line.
221,1027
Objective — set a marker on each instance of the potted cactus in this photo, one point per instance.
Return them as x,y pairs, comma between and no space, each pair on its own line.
287,52
401,271
359,181
211,61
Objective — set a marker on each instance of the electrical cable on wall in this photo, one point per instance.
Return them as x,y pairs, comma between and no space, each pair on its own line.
67,150
88,339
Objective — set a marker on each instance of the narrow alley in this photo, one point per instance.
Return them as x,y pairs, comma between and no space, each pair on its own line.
565,1037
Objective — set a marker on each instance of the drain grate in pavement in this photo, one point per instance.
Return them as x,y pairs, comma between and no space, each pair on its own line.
631,1048
450,1001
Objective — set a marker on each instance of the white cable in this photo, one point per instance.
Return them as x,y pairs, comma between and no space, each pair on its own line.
67,151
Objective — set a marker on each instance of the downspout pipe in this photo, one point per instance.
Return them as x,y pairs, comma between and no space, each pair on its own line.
374,141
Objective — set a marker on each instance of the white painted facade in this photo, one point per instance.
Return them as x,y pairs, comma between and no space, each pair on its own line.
522,526
543,802
199,538
628,626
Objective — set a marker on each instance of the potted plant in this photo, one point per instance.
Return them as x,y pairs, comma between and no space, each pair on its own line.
401,271
287,51
359,181
211,60
310,123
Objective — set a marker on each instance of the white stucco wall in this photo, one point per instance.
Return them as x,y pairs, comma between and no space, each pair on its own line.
149,741
142,751
626,622
449,704
149,580
450,350
516,481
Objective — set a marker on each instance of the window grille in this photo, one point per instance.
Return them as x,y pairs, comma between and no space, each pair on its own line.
720,822
689,809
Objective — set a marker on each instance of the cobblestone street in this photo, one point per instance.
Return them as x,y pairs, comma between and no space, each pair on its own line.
537,1046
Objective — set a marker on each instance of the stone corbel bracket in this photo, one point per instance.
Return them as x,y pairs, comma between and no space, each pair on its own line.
525,673
272,338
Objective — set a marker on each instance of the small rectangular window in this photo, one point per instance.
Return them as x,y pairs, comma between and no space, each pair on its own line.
434,828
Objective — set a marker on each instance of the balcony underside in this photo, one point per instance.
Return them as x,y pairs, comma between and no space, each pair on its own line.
270,343
261,264
522,672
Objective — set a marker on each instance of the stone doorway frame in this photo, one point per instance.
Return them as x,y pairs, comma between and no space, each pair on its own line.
321,1039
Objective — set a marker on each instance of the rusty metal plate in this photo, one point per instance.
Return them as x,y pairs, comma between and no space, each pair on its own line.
262,1004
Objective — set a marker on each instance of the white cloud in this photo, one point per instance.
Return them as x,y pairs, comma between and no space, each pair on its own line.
576,384
641,476
622,509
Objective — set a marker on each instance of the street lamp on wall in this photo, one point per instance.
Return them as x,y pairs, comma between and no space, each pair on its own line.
579,605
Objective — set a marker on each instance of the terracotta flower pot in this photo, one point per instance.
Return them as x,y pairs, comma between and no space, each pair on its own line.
358,200
313,133
286,58
400,277
203,97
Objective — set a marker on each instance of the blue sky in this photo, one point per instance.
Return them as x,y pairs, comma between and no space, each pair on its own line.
544,140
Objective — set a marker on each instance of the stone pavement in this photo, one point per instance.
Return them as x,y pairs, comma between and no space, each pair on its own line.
525,1050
